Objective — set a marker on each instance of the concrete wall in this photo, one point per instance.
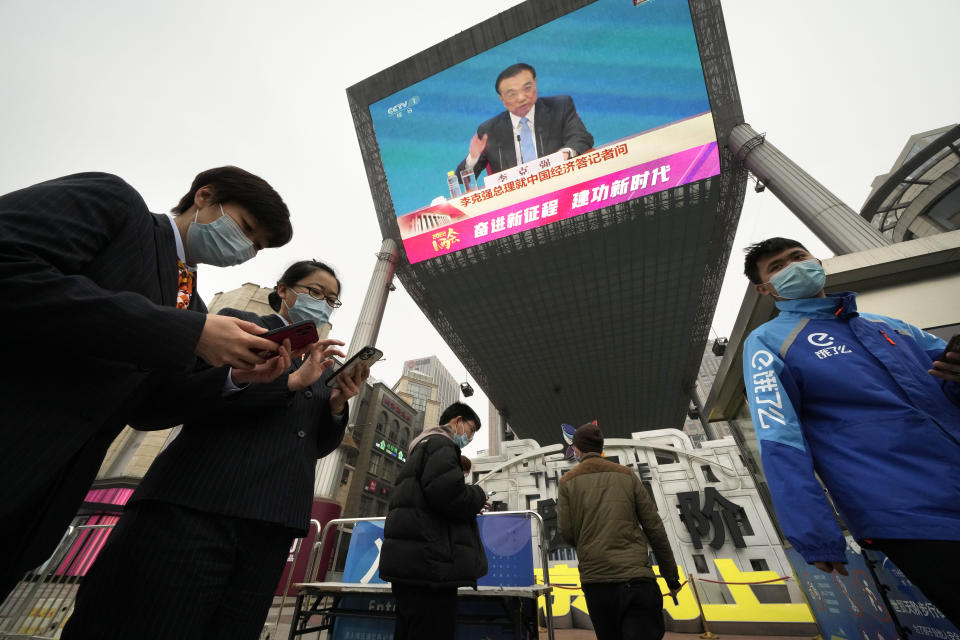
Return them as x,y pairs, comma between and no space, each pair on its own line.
917,281
923,303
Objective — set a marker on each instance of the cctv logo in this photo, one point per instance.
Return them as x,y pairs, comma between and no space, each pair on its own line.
407,106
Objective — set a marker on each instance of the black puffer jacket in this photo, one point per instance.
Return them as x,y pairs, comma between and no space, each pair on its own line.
431,535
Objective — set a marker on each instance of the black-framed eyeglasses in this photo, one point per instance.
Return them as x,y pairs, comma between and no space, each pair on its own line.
471,425
319,293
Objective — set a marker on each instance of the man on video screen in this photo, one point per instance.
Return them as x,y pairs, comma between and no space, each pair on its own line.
531,127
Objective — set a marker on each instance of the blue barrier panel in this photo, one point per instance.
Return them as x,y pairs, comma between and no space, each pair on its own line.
509,547
365,628
363,554
850,607
844,606
910,606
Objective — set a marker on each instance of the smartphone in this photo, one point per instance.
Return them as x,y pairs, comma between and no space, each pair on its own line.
367,355
952,345
300,334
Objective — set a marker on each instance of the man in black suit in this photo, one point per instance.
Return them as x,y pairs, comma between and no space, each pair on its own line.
91,284
530,127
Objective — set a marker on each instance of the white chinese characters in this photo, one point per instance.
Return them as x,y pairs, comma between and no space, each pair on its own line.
766,390
526,217
826,352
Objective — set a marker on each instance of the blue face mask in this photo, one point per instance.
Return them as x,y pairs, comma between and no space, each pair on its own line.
221,243
460,439
799,280
308,308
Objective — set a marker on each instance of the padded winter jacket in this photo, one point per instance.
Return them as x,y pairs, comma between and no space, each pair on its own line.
431,536
605,511
847,396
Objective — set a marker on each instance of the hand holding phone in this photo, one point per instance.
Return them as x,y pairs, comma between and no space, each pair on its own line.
267,371
367,355
300,334
319,360
953,345
673,594
233,342
947,367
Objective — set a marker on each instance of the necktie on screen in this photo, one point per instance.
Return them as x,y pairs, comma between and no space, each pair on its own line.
184,285
527,149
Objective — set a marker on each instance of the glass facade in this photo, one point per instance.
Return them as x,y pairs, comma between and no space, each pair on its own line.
920,195
421,394
431,370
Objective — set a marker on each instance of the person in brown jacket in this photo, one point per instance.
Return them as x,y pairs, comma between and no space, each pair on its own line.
607,514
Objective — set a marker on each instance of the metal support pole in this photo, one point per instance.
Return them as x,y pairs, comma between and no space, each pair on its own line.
696,596
330,468
833,222
707,426
495,434
381,284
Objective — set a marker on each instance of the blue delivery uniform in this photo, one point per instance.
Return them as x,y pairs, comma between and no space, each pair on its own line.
847,395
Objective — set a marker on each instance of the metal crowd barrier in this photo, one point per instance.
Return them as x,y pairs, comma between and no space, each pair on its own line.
313,547
316,554
38,607
42,601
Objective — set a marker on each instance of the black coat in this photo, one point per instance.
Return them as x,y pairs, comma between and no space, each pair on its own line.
89,284
250,454
431,535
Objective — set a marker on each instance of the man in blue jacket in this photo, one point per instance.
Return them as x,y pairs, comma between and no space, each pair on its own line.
871,405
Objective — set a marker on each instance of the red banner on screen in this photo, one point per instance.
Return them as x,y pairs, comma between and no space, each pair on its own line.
643,179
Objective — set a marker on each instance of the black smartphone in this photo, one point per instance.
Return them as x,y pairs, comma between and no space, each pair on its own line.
367,355
952,345
300,334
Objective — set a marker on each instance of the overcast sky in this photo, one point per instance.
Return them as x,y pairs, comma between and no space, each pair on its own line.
158,91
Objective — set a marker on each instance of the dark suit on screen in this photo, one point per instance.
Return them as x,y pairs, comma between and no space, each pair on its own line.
556,126
206,534
88,284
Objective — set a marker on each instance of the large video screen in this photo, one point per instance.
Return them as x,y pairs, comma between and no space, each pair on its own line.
602,105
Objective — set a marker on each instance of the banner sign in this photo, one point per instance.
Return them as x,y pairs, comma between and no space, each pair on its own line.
567,202
851,607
